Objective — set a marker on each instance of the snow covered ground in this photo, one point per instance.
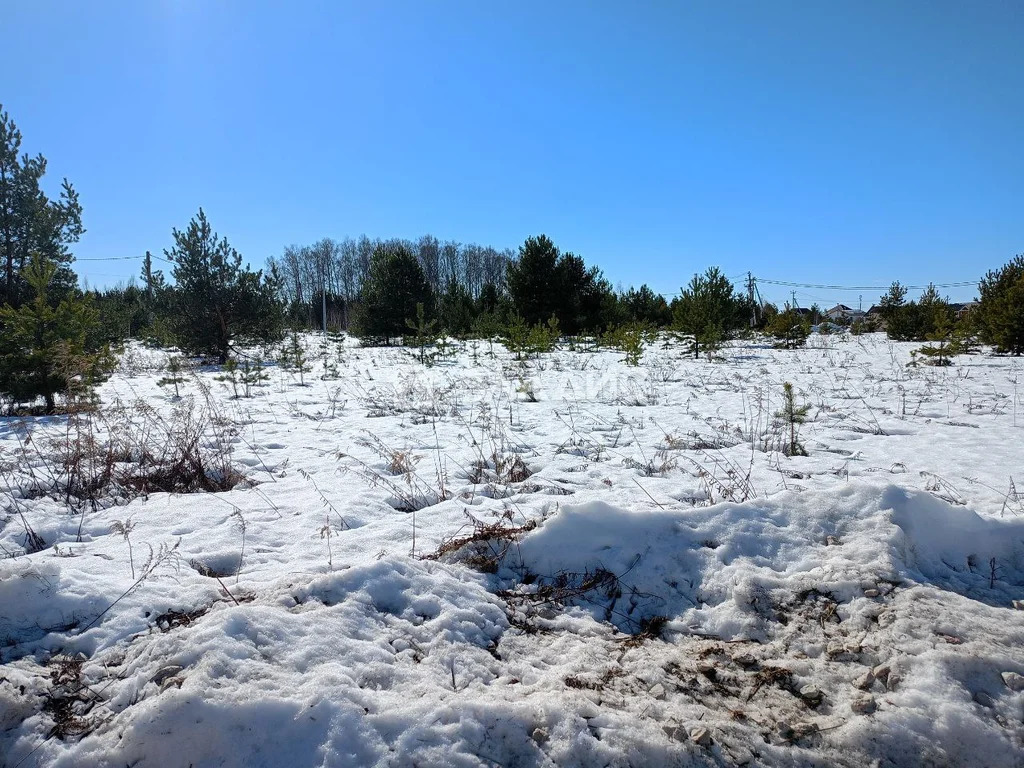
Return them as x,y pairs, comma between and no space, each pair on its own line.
489,563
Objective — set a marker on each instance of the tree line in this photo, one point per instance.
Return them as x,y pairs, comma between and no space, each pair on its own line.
333,273
56,338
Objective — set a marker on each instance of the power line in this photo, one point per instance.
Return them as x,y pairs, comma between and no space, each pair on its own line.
960,284
826,287
109,258
122,258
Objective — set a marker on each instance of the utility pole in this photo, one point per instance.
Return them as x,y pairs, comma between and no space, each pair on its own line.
147,266
750,300
323,295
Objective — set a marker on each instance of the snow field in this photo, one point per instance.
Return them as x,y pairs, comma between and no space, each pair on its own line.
562,562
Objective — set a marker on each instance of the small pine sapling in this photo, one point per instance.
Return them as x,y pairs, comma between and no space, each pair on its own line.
252,376
174,377
542,338
943,346
790,328
965,337
631,340
44,346
332,352
338,340
284,357
488,326
792,415
516,336
711,340
293,358
330,370
445,349
230,375
422,332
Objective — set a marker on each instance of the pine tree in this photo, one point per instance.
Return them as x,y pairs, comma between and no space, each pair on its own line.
218,301
542,337
488,300
706,310
1000,313
44,348
32,223
631,339
790,328
533,282
890,304
643,305
935,316
903,321
584,299
154,290
456,309
394,286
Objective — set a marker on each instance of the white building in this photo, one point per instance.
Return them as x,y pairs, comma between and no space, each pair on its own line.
843,313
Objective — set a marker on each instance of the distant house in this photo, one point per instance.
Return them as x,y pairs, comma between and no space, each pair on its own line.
843,313
873,317
963,309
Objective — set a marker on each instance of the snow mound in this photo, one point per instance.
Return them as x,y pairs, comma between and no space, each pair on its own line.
850,590
721,569
957,548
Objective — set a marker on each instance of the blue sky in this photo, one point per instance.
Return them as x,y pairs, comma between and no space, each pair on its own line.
847,143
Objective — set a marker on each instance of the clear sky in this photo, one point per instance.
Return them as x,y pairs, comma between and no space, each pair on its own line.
846,143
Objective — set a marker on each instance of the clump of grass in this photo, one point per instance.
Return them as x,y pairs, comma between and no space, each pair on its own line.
110,456
485,547
411,492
